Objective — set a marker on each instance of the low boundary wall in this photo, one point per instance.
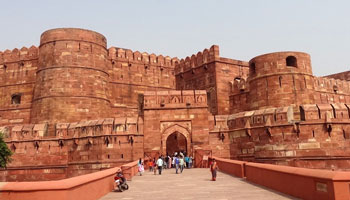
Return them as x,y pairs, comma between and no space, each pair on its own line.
298,182
88,187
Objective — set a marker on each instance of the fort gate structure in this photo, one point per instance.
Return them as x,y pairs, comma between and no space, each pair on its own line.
73,106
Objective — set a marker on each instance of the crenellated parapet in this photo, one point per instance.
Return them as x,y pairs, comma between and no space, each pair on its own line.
17,55
331,85
290,115
175,99
18,66
200,59
76,130
129,56
26,132
341,76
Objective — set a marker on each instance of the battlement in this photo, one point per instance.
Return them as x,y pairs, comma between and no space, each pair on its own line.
342,76
218,123
175,99
290,115
128,55
239,85
107,126
201,58
16,55
331,85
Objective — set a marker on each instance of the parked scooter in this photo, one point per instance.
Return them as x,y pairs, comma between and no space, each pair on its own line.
120,180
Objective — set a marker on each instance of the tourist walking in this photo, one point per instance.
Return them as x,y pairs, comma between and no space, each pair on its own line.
190,160
169,162
213,169
182,162
177,163
155,166
173,161
160,165
141,168
150,165
186,161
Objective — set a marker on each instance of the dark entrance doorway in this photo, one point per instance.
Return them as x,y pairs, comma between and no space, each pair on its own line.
176,142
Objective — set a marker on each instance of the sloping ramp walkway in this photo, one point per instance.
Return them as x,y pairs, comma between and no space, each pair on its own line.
192,184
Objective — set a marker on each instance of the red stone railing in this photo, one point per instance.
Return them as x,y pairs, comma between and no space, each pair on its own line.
88,187
298,182
233,167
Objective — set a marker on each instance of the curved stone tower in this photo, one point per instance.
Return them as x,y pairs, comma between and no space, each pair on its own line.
72,77
280,79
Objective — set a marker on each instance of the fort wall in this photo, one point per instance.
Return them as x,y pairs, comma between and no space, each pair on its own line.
168,112
77,148
208,71
133,73
341,76
18,73
72,77
273,82
71,106
311,136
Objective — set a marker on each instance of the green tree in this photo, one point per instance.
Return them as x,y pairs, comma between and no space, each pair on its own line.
5,152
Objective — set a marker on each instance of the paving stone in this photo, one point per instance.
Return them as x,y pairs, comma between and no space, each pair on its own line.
192,184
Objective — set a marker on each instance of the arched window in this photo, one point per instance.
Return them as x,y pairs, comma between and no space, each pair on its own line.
291,61
16,99
252,69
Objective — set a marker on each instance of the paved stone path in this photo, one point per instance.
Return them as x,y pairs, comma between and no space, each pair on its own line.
192,184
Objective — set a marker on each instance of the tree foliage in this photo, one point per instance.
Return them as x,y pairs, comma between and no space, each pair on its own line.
5,152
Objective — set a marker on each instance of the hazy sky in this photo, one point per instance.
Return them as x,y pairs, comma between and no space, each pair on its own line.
243,29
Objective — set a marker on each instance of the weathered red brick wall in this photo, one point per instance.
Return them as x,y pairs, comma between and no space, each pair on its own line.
317,137
17,72
227,71
133,73
208,71
273,83
72,77
168,112
85,107
77,148
341,76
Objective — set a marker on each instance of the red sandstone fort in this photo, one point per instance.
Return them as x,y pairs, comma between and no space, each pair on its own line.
71,106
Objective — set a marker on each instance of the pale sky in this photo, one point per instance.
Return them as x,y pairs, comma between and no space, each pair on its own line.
243,29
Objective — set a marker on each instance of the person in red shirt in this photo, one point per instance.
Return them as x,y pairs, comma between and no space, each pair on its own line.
213,169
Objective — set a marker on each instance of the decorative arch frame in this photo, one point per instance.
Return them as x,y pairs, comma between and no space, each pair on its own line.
172,129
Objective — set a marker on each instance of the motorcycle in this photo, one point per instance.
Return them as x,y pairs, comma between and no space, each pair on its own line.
120,180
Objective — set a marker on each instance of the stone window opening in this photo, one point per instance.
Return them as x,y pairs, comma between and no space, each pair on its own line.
280,81
334,112
252,69
302,113
335,89
5,67
16,99
291,61
345,135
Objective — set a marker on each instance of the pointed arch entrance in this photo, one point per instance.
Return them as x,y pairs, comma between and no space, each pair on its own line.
176,138
176,142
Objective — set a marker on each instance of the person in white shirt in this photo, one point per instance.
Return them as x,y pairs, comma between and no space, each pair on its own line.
160,165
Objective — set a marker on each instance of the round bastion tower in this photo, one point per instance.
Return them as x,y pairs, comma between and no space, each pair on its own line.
280,79
72,77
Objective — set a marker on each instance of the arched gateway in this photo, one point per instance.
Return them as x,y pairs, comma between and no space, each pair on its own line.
174,139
